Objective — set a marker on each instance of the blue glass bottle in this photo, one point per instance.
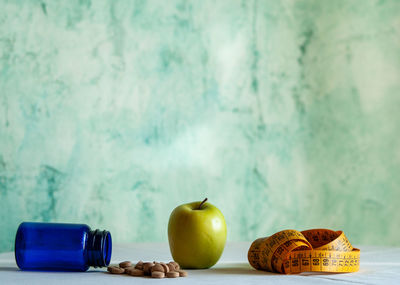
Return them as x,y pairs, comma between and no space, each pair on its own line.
61,247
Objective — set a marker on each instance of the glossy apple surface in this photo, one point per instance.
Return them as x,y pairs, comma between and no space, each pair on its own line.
196,234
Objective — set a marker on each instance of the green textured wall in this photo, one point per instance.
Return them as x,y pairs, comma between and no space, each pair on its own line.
285,114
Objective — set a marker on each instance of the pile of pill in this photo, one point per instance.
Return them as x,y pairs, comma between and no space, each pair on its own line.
153,269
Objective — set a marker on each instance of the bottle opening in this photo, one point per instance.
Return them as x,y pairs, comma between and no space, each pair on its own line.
99,248
19,247
108,248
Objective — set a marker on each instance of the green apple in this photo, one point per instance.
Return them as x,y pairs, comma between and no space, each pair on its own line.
196,234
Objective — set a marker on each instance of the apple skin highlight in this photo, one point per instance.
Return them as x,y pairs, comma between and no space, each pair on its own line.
197,235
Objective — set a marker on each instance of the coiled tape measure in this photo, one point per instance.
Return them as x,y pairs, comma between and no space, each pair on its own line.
317,250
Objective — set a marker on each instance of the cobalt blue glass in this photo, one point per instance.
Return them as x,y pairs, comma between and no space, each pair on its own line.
61,247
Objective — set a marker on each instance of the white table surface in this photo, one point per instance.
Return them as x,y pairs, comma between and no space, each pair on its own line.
379,265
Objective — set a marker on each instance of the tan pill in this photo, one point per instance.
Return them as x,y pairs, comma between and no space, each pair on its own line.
166,268
125,264
115,269
172,274
157,274
127,269
158,267
136,272
139,265
182,273
171,267
175,264
147,267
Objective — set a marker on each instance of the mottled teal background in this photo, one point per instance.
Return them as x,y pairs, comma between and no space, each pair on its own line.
285,114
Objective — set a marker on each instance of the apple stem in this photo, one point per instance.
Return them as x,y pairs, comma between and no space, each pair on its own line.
201,204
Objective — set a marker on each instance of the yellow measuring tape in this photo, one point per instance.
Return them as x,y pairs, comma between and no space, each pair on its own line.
317,250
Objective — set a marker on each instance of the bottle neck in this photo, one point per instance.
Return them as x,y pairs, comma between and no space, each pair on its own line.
99,248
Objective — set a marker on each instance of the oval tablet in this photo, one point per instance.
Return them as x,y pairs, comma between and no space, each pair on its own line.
125,264
171,267
157,274
128,269
172,274
182,273
139,265
176,265
166,268
147,267
115,269
136,272
158,267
